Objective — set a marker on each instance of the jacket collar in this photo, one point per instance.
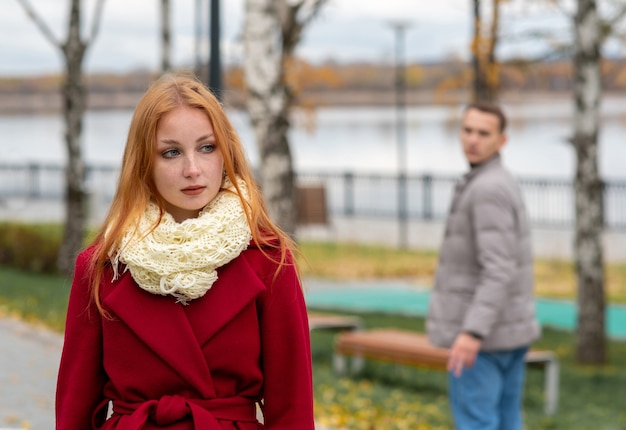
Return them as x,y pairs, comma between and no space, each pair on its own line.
477,169
490,163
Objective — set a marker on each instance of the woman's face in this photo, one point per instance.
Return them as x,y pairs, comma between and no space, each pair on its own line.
188,164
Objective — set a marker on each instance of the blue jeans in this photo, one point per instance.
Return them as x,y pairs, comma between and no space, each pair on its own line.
488,396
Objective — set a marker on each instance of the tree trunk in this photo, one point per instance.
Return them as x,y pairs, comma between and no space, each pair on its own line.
479,92
73,109
486,68
492,67
74,95
591,342
268,105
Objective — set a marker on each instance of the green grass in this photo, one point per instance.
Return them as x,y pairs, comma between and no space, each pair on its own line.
388,397
34,297
553,278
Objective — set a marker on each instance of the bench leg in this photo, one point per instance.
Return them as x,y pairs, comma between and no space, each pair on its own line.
339,364
551,386
340,367
358,363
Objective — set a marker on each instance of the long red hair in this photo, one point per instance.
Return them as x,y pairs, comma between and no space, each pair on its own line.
136,186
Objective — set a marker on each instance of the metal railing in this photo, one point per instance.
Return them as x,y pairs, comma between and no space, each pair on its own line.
550,202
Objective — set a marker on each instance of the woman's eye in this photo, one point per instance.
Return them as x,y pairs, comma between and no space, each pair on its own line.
209,147
170,153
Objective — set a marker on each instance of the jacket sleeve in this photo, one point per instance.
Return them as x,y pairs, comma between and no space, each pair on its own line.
286,354
79,395
494,224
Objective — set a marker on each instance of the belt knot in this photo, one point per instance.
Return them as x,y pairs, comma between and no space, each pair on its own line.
169,409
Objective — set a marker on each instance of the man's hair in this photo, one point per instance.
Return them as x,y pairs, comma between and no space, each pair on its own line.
491,108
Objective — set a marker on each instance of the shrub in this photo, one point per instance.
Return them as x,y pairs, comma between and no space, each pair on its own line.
30,247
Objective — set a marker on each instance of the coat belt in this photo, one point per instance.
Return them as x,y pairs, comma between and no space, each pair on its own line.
170,409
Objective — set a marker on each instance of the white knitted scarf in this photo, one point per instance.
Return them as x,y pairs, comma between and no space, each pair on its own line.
180,259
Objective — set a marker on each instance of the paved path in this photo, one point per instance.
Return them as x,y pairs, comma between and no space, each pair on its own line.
29,360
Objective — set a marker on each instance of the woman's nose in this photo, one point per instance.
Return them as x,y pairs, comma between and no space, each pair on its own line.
191,167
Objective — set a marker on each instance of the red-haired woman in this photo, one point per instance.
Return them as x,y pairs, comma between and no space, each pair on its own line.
187,311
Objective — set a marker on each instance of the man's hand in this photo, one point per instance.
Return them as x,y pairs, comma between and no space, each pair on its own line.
463,353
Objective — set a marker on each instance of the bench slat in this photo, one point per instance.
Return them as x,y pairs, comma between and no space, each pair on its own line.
331,321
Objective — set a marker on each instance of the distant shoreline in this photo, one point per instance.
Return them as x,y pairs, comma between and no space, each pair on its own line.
50,102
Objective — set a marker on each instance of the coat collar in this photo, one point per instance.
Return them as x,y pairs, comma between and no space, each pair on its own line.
176,334
476,170
492,162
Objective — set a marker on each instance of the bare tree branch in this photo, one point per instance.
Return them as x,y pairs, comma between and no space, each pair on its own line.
621,8
558,4
47,32
32,14
97,19
292,20
312,12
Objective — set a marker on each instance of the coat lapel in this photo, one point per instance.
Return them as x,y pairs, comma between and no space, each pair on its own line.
162,325
237,286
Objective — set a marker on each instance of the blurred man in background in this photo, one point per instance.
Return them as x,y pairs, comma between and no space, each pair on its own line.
482,306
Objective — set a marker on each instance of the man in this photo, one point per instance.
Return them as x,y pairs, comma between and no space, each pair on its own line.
482,306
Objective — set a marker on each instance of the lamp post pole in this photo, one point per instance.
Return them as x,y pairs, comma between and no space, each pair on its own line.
197,66
402,162
215,66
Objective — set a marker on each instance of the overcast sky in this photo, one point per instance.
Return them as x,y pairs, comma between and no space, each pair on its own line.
346,30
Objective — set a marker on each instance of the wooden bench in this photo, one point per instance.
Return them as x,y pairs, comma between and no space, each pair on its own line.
311,207
414,349
334,322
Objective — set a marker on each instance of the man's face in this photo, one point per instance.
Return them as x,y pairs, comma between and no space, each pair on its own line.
481,136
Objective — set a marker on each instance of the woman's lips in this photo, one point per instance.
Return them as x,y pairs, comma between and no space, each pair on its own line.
193,191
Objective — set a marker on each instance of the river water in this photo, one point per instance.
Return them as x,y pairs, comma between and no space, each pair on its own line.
362,139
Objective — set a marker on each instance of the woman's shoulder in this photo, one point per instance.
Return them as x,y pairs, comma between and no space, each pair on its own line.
86,259
263,253
87,253
267,258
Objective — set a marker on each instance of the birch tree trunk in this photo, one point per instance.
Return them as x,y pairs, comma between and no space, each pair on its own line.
74,102
591,342
272,30
268,106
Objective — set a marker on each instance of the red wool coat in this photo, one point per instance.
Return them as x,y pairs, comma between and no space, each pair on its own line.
200,366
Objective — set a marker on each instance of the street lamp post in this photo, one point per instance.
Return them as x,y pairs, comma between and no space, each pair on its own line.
215,66
198,21
399,28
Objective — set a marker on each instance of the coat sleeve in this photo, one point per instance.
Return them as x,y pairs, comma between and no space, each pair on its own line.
494,223
288,386
79,395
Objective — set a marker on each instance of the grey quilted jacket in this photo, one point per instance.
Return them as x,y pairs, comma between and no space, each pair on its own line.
484,279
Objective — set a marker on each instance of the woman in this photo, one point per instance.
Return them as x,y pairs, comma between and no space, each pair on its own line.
186,311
